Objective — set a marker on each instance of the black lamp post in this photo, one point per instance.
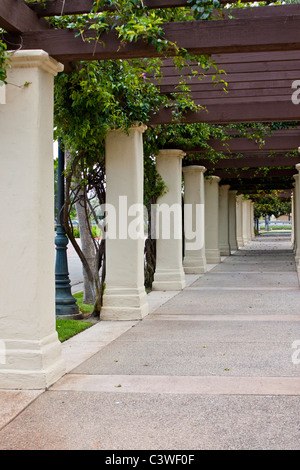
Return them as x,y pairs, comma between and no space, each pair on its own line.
65,303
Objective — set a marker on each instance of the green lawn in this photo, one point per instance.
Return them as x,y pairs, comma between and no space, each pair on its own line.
67,328
84,308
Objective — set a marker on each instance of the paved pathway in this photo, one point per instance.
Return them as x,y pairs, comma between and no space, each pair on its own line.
211,367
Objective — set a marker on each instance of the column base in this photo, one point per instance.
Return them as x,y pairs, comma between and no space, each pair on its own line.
169,280
233,247
240,242
225,250
124,304
195,265
213,256
31,364
297,256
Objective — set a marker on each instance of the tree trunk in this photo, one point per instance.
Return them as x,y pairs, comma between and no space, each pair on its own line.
90,252
87,247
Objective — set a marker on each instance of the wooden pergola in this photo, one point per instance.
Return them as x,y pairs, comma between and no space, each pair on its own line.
259,50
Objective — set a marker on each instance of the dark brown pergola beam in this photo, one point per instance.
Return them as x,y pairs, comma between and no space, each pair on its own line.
233,86
250,185
198,37
285,141
17,17
246,162
266,180
75,7
249,58
229,100
201,96
254,76
254,173
291,131
235,113
250,190
285,194
235,69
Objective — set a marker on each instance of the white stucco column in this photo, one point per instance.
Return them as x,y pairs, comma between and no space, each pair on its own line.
252,221
232,220
249,220
30,352
245,225
295,214
212,250
224,220
239,220
194,259
249,216
297,224
293,217
125,296
169,273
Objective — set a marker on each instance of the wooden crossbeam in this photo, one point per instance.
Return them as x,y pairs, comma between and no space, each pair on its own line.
255,75
76,7
247,162
17,17
254,173
198,37
279,85
251,57
258,184
254,189
283,194
202,96
235,70
254,111
287,140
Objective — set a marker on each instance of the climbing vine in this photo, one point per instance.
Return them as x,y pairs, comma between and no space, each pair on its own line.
3,61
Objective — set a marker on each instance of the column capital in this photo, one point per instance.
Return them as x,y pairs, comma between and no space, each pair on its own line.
139,127
194,169
135,127
233,191
213,179
35,58
171,153
225,186
297,167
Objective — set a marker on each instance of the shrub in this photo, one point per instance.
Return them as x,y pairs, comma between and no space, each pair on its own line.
95,230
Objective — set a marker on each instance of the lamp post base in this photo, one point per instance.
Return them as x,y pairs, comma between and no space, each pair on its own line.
66,306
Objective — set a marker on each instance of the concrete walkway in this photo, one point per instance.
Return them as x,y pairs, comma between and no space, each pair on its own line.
215,366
